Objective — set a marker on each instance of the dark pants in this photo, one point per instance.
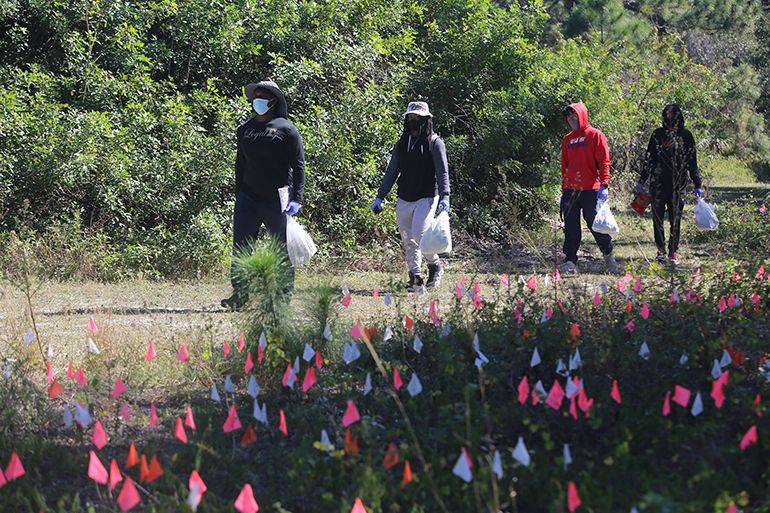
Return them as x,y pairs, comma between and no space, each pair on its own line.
572,202
661,203
249,216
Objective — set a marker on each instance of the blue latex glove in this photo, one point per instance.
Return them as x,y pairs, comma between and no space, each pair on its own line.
639,188
698,193
292,208
443,205
603,193
377,206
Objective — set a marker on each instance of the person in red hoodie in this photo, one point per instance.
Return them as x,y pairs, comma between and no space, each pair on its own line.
585,176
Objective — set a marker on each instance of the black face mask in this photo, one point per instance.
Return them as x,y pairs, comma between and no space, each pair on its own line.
416,124
672,123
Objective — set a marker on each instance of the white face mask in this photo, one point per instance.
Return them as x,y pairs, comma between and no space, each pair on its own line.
574,124
261,106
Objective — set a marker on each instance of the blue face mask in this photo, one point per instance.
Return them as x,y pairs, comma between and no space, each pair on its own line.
261,106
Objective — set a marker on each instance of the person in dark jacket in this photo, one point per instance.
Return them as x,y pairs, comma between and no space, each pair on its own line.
270,156
671,156
419,163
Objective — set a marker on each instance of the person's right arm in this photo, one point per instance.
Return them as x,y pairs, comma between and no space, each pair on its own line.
391,173
240,164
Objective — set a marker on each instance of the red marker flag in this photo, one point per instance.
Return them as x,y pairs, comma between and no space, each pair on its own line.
189,421
681,396
179,431
195,478
391,457
115,476
96,470
615,392
245,503
358,507
555,396
233,422
309,380
99,437
248,437
397,383
241,344
407,475
351,414
128,497
249,364
523,390
15,468
155,470
119,388
749,438
282,426
153,416
666,404
55,389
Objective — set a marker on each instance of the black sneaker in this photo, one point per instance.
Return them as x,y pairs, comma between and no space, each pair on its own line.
434,276
235,302
415,283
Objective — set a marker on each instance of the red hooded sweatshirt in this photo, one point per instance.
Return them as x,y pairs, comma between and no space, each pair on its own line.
585,157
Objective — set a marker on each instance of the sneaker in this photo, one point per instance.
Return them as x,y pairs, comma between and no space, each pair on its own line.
415,283
672,257
609,261
570,267
235,302
434,276
661,256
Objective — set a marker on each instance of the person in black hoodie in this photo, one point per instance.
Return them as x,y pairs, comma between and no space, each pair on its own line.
270,156
419,163
671,156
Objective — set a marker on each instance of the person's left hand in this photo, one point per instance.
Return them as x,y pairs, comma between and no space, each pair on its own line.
292,208
603,193
443,205
698,193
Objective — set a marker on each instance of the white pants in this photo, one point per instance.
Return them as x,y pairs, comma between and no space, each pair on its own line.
414,219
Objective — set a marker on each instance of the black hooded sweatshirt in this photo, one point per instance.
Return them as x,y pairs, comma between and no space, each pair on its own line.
671,156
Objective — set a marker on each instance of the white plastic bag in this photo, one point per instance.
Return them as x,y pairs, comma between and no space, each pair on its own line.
604,222
438,238
299,244
705,216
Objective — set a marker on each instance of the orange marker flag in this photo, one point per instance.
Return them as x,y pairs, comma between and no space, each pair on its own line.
15,468
358,507
573,500
555,396
99,437
397,383
128,497
153,416
351,444
115,476
143,469
241,344
391,457
245,503
189,421
282,425
249,364
351,414
233,422
408,323
155,470
196,478
133,457
179,431
248,437
55,389
407,475
96,470
309,380
151,353
575,331
615,392
628,307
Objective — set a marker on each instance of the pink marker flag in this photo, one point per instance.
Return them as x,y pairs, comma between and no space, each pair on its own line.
584,402
762,208
504,280
645,311
115,476
260,354
523,390
70,373
241,343
761,272
717,391
755,298
573,500
358,506
183,355
15,468
572,407
597,299
128,497
628,277
436,320
463,280
282,426
245,503
48,372
99,436
532,282
80,377
249,364
150,353
376,292
630,327
731,300
96,470
189,421
749,438
556,275
458,291
432,309
357,331
179,431
697,275
346,300
92,325
549,311
125,413
233,422
227,348
397,383
287,376
555,396
195,478
309,380
351,414
681,396
119,388
615,394
153,416
722,305
318,360
638,285
621,286
667,404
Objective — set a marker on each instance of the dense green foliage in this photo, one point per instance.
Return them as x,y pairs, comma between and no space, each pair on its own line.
118,119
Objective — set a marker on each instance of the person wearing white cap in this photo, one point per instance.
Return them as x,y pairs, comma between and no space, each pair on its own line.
419,166
270,156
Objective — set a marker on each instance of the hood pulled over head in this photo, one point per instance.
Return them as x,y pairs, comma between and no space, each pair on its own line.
581,112
673,119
